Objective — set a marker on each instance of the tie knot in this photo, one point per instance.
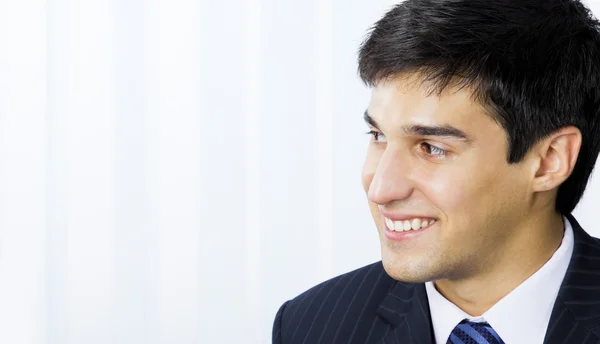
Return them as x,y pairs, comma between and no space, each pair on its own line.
469,332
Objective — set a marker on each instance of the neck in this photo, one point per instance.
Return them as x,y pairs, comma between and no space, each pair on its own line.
526,252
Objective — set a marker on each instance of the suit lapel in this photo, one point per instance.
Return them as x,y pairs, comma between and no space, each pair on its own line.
406,309
576,314
575,317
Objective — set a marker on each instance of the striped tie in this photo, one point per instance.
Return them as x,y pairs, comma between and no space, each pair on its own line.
468,332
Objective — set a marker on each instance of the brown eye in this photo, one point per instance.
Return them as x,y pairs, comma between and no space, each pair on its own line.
433,150
377,136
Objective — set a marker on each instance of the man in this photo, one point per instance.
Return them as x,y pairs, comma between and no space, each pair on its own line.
485,125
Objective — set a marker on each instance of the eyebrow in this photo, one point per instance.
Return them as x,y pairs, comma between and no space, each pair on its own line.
447,131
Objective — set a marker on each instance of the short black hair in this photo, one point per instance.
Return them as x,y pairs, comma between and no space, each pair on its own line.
535,64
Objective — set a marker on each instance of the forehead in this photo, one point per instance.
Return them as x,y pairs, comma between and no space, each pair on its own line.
406,100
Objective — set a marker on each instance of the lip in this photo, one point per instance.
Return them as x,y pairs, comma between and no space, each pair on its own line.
405,235
404,217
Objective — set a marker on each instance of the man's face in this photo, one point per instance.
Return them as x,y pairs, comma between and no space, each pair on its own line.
440,163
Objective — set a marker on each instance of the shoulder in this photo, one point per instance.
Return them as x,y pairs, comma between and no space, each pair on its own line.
351,280
359,291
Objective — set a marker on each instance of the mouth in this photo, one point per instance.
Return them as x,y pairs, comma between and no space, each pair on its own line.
407,229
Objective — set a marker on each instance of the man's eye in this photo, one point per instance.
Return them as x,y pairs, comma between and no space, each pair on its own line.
377,136
433,150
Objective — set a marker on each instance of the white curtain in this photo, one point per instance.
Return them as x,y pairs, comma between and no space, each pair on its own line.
172,171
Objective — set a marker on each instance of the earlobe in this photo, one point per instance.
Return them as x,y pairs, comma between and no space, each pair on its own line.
546,175
558,154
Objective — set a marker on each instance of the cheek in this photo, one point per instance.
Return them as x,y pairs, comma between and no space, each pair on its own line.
376,215
366,179
448,190
464,191
368,171
445,193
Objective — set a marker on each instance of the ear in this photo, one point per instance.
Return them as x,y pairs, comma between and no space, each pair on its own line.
557,156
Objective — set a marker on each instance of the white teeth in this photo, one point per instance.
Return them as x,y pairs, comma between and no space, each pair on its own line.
416,224
389,223
406,225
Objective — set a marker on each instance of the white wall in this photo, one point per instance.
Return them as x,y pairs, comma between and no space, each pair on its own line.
172,171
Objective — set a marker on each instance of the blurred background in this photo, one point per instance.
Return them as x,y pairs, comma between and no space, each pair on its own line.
173,171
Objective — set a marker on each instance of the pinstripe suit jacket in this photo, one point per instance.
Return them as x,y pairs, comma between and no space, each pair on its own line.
367,306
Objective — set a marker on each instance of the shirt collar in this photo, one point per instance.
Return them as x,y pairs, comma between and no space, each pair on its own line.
522,316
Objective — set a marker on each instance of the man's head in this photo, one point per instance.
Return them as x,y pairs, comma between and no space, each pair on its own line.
485,119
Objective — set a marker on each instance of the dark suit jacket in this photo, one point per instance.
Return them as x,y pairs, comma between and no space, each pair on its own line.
367,306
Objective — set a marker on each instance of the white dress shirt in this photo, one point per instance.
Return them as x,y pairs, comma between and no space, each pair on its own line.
522,316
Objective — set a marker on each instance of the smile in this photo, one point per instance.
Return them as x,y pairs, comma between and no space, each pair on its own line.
408,225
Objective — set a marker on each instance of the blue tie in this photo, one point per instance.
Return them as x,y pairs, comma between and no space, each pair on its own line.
468,332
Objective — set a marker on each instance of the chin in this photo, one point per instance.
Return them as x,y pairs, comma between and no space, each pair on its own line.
399,270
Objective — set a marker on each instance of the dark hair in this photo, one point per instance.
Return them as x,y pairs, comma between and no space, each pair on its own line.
535,64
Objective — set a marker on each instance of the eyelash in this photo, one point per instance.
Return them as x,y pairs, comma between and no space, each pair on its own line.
442,153
374,134
431,148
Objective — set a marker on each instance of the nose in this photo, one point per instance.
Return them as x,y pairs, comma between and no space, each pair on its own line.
390,177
